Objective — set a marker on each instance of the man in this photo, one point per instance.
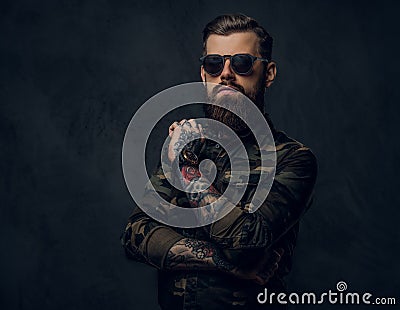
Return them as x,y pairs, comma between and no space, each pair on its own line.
228,263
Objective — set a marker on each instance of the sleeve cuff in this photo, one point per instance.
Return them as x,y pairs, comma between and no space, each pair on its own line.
158,243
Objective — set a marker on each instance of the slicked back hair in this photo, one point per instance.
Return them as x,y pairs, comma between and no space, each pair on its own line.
232,23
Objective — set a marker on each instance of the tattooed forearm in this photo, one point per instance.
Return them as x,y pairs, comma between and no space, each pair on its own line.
192,254
196,254
192,180
186,133
203,198
197,192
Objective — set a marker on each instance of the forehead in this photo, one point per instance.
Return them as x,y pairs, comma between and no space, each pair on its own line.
234,43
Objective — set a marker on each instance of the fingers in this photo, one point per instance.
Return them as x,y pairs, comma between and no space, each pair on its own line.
172,128
202,139
182,121
260,280
266,270
189,125
277,254
264,276
269,274
273,256
272,265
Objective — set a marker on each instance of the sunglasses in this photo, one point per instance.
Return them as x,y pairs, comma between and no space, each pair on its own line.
241,64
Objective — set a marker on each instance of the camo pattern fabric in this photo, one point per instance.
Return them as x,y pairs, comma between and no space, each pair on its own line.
241,235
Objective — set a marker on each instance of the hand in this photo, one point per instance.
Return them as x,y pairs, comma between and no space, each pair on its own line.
183,131
263,271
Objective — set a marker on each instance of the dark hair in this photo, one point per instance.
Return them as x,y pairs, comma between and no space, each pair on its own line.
231,23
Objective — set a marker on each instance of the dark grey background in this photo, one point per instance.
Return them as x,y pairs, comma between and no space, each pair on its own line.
74,72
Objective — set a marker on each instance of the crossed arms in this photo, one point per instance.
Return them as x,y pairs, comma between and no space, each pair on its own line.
222,245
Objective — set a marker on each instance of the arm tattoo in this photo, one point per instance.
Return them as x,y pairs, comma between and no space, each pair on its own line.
196,254
192,180
185,135
205,197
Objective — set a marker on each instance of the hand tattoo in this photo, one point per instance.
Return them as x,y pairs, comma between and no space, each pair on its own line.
198,192
196,254
179,140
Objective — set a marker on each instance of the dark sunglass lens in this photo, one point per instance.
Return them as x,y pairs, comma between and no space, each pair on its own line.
213,64
242,63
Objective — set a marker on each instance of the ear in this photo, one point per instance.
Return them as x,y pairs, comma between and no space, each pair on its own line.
202,74
270,74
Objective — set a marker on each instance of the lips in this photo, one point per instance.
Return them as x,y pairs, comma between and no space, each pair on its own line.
227,89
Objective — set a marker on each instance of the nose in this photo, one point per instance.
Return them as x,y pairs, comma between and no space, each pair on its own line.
227,74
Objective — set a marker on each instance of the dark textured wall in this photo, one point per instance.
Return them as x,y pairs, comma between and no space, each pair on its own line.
72,73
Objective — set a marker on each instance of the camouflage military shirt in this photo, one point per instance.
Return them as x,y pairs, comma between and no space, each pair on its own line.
241,234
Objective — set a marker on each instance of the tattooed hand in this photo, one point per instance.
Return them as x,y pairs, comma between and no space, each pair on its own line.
262,272
193,180
195,254
180,133
200,192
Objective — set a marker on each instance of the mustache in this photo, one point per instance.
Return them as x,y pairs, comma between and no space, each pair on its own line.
231,84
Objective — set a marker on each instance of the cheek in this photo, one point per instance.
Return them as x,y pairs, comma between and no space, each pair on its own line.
253,81
212,79
249,83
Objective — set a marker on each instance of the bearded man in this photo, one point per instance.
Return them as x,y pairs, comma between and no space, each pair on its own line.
226,264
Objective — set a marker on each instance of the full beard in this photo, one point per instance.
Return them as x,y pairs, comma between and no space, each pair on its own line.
237,103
